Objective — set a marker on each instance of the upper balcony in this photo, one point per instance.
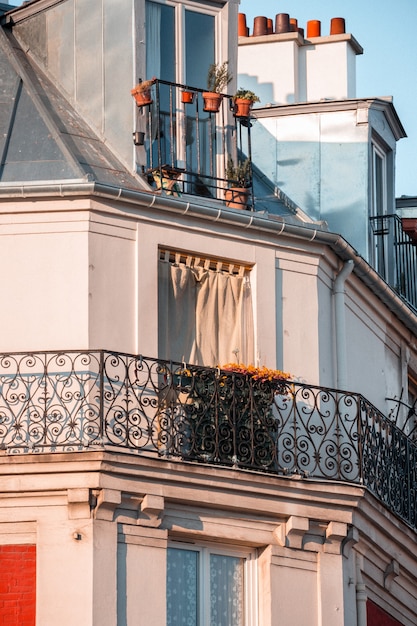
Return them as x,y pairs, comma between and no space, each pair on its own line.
187,144
73,402
394,255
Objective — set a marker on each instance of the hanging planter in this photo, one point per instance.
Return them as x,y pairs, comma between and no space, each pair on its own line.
217,79
212,101
187,97
243,101
142,92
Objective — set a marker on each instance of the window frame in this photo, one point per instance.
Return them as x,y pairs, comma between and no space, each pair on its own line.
250,575
180,7
380,235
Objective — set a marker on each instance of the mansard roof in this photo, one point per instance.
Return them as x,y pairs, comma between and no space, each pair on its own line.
42,137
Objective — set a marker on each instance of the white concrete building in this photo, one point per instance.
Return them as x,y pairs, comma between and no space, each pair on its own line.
141,482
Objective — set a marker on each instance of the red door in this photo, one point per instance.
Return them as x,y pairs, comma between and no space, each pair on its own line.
18,585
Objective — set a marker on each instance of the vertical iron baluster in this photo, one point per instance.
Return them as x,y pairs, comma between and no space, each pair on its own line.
171,128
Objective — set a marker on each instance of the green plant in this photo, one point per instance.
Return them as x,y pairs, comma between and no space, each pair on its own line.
145,85
218,77
246,94
240,172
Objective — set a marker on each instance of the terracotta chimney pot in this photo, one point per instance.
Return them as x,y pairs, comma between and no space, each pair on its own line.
337,26
241,25
293,25
260,26
282,23
313,28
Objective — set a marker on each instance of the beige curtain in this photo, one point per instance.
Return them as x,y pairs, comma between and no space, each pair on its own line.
205,311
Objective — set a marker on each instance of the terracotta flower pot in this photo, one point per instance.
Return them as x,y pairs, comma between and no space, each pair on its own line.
212,101
142,97
187,97
237,197
243,107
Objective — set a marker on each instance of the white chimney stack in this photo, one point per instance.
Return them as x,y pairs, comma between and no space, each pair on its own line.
284,67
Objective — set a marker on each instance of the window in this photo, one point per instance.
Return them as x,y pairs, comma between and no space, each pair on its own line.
180,47
210,587
204,309
382,229
187,57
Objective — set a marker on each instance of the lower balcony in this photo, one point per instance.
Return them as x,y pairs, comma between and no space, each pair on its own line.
76,401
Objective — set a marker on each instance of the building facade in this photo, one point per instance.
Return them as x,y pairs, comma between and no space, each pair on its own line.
143,482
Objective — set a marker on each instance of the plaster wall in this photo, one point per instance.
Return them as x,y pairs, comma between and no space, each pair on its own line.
330,71
286,69
321,161
101,559
374,356
271,70
87,279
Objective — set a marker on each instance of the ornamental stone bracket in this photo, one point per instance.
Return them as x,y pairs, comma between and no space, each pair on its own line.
151,509
391,572
300,533
107,502
291,534
336,533
80,502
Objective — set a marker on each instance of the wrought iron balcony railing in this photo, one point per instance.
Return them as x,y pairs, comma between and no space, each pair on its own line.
57,402
395,256
187,148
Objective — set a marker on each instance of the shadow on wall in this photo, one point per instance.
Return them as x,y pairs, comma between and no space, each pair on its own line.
265,91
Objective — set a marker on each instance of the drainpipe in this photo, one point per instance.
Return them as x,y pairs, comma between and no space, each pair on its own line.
339,308
360,595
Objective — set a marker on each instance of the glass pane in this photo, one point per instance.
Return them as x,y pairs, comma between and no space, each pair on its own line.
160,41
379,185
199,47
182,580
199,55
226,591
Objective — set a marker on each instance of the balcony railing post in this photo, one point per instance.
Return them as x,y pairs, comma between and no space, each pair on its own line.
101,392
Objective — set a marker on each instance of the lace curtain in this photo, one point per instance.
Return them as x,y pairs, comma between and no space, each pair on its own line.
192,577
205,311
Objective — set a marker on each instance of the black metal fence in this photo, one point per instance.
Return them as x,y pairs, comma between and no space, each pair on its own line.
54,402
395,256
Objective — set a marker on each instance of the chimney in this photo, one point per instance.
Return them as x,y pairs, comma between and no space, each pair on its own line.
285,68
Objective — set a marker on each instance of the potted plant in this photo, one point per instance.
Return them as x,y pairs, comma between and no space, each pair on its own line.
142,92
239,177
218,78
243,102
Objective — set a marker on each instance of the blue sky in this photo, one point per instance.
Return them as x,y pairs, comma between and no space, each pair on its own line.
387,31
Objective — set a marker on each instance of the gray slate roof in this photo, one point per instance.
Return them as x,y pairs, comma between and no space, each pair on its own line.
42,138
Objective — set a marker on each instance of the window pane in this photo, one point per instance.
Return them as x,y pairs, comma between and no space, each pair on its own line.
226,591
199,47
182,580
160,41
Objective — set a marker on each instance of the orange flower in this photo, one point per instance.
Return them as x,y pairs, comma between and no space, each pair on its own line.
258,373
